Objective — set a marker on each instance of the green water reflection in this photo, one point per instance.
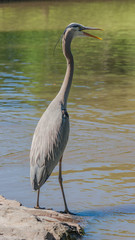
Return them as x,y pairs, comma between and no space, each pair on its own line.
98,165
28,44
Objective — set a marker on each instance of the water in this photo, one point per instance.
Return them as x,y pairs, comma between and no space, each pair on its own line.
98,164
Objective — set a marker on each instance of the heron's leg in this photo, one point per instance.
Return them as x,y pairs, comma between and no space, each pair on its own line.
61,185
38,192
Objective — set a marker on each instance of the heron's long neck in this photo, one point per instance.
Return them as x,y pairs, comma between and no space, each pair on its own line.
65,88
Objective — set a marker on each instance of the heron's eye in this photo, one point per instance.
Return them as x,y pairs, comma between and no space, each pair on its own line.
78,28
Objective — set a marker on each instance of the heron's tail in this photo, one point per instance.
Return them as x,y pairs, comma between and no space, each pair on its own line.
33,178
38,177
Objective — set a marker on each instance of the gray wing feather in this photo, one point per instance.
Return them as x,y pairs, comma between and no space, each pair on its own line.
48,144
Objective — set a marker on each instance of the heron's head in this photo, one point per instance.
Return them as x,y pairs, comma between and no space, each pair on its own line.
78,30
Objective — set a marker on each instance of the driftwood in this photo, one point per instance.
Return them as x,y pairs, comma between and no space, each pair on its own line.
21,223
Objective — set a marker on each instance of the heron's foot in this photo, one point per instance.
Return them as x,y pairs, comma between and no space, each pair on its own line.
67,212
43,208
37,207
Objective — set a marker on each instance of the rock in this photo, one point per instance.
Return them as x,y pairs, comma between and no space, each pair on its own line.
21,223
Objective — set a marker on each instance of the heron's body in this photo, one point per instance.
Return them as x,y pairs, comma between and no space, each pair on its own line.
52,131
48,143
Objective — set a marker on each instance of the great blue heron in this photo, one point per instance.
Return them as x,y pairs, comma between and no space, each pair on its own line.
52,131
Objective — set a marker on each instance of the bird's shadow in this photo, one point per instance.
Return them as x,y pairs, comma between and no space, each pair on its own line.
108,211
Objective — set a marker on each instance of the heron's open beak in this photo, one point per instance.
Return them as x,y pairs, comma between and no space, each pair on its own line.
90,35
